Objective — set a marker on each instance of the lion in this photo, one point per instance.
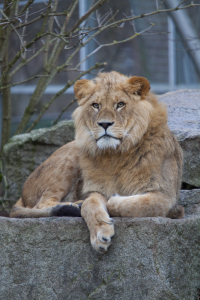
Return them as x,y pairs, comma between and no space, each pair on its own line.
124,162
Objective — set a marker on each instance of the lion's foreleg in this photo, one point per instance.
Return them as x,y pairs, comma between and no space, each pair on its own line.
151,204
99,223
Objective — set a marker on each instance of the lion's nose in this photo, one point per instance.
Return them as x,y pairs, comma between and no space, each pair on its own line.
105,125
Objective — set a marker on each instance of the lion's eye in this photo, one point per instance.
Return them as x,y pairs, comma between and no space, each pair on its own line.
120,104
95,105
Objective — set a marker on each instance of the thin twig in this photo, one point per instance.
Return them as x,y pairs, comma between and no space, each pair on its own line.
24,8
23,34
1,11
63,110
50,27
18,55
49,69
67,86
157,6
182,2
87,14
21,82
23,63
113,43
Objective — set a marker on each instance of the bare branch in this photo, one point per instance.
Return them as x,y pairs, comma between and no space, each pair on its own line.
24,8
63,110
21,82
87,14
48,8
30,22
49,69
4,59
42,15
18,55
182,2
67,86
157,6
23,32
113,43
16,8
151,14
21,41
50,27
25,62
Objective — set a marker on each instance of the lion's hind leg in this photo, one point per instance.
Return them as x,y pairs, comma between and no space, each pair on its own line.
99,223
152,204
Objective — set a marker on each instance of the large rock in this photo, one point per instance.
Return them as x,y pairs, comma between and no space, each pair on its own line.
150,259
184,121
190,200
25,152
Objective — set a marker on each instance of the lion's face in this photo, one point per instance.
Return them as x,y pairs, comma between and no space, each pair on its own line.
113,112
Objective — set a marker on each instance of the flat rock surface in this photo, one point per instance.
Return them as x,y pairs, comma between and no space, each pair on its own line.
184,121
149,259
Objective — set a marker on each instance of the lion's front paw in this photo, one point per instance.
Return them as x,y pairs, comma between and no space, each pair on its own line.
101,236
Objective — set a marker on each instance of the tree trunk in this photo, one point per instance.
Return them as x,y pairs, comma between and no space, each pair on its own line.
4,37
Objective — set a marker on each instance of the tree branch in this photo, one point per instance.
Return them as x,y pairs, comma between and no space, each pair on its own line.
67,86
24,8
21,82
49,70
26,61
87,14
113,43
6,31
50,27
21,41
6,98
63,110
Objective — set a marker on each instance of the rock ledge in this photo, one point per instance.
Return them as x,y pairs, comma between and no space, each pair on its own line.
51,258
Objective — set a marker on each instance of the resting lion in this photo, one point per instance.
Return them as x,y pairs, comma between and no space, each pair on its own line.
124,162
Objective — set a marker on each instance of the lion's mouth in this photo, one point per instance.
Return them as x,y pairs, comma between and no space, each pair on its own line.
108,136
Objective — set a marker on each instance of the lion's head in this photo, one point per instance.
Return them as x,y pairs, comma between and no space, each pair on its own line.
113,112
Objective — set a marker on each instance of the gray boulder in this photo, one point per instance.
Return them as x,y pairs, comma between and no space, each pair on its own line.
190,200
184,121
51,258
25,152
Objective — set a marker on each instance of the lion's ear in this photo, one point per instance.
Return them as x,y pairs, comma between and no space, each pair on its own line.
82,88
139,86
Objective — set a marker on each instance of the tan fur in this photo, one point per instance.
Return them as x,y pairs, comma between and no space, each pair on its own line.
139,159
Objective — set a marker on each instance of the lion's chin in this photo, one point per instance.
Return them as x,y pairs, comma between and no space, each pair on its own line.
107,143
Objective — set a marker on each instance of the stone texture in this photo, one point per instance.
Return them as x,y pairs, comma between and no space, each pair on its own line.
150,259
184,121
190,200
